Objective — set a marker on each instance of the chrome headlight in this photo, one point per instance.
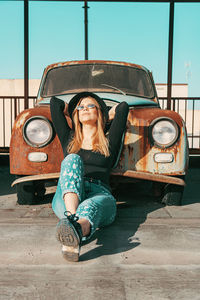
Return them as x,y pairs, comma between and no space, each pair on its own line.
37,131
164,132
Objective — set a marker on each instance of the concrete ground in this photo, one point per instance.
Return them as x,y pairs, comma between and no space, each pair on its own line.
149,252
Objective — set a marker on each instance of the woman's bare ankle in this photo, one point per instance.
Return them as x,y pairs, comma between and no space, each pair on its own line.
71,202
85,226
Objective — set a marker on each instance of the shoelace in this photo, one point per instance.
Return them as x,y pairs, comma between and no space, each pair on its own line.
71,217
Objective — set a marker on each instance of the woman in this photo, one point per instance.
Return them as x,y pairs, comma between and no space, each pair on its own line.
83,201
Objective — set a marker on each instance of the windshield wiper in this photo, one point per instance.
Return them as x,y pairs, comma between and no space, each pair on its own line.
113,87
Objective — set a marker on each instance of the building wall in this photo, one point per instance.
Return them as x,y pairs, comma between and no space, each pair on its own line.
15,87
178,90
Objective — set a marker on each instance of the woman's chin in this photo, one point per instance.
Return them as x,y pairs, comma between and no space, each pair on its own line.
86,119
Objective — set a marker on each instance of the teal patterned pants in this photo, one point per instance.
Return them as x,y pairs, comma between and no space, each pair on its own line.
96,203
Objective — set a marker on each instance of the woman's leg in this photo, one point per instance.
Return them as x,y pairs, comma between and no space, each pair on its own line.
73,168
70,189
69,193
99,209
71,202
85,226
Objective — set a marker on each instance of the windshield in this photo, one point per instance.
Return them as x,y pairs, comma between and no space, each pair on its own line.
98,77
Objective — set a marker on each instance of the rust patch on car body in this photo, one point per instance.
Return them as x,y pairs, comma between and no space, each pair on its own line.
138,152
21,120
19,149
137,157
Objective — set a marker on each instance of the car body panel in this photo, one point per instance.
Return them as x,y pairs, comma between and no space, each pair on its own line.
137,156
19,149
137,152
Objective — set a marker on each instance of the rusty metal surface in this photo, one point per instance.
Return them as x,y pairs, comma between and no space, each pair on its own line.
131,174
36,177
81,62
19,149
138,151
151,177
137,154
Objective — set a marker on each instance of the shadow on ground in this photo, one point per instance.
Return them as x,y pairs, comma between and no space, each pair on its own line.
6,178
135,202
191,191
133,207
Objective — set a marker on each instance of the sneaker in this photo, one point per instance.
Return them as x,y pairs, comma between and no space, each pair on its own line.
69,234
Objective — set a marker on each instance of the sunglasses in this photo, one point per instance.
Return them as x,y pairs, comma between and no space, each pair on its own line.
89,106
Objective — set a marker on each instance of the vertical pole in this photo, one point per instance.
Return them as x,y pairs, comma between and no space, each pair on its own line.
86,28
26,92
170,54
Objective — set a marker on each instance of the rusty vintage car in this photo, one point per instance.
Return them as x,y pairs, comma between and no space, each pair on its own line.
155,146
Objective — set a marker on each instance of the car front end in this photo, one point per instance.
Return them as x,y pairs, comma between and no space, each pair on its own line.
155,146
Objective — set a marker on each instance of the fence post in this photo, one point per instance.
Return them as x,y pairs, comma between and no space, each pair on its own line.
86,28
170,54
26,35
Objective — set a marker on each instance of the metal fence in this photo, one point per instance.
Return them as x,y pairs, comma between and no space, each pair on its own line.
188,108
10,107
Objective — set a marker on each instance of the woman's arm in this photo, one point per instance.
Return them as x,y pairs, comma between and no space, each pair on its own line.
66,113
111,113
118,125
58,112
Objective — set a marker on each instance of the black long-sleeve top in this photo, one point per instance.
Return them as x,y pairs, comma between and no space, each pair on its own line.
96,165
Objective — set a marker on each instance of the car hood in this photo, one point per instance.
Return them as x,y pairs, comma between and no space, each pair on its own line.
131,100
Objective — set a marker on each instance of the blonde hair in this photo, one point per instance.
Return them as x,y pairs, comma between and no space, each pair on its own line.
99,143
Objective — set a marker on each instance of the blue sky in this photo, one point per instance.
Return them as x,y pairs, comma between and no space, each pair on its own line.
132,32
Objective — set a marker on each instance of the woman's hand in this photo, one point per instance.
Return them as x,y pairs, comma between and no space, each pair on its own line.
111,112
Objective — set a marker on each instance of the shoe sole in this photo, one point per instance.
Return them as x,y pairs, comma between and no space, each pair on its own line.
71,253
66,234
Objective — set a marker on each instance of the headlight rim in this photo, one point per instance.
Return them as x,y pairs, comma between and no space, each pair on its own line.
159,145
51,131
